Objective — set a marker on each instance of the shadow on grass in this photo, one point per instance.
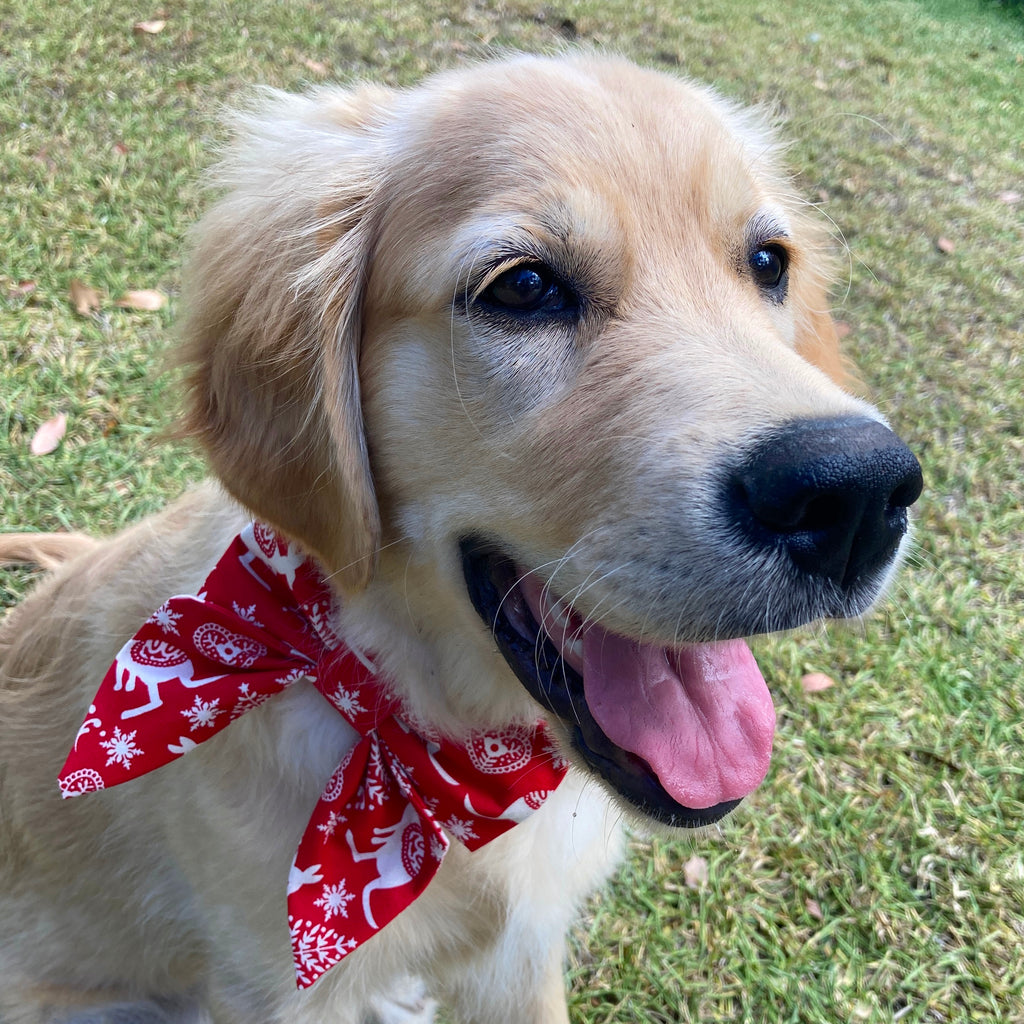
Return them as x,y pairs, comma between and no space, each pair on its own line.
1011,11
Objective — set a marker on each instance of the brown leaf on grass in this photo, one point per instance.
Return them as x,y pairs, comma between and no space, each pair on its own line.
842,329
149,28
86,300
1009,197
21,289
814,909
43,157
145,298
48,435
317,67
695,872
946,245
815,682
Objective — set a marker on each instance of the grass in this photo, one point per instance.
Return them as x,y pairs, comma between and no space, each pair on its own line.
878,875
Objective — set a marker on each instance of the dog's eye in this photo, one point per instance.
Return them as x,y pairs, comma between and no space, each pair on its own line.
529,288
769,264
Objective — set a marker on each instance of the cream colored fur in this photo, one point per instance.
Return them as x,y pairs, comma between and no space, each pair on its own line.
345,393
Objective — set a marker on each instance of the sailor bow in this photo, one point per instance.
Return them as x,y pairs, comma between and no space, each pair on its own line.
264,620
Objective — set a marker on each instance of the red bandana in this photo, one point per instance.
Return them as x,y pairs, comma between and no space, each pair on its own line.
262,621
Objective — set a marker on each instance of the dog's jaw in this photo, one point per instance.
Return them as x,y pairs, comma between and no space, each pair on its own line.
725,762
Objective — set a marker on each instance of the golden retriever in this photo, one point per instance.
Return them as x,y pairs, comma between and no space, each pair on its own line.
535,361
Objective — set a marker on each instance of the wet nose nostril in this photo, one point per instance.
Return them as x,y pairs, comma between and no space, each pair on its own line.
908,490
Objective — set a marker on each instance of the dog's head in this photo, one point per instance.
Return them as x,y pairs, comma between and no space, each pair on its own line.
544,343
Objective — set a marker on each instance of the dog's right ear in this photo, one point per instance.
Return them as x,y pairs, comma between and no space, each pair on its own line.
272,323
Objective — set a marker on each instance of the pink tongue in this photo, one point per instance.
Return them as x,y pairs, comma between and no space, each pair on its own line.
700,716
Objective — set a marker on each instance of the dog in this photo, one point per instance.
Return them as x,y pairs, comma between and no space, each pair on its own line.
533,363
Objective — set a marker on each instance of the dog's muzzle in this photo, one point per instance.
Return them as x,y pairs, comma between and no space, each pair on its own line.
685,732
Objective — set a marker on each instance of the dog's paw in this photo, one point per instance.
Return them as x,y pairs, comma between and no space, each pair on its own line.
407,1003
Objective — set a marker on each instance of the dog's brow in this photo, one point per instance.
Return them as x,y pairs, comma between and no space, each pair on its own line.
767,224
487,244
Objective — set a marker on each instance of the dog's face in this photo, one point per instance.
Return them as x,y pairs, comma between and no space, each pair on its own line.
575,379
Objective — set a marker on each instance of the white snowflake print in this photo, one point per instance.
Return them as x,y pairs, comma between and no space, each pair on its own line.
293,675
316,949
405,776
347,701
202,713
247,614
335,900
121,748
166,619
438,847
333,821
462,830
322,616
247,700
374,788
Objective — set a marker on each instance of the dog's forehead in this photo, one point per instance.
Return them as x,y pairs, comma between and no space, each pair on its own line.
587,149
578,114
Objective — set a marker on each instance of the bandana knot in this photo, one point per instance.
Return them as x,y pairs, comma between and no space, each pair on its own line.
263,620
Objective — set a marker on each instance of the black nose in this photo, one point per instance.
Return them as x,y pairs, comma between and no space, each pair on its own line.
832,493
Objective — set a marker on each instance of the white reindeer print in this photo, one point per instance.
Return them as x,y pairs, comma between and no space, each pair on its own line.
263,543
152,663
398,852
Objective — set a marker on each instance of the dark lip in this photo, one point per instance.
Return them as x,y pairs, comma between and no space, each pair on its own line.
557,687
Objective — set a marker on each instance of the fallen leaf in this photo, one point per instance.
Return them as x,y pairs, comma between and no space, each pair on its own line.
842,329
814,909
121,149
1009,197
315,66
43,157
695,872
21,289
86,300
48,435
149,28
946,245
146,298
815,682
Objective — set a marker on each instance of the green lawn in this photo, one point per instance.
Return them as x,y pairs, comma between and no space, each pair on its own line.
879,873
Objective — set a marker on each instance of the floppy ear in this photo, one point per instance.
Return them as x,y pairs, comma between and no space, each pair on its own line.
272,328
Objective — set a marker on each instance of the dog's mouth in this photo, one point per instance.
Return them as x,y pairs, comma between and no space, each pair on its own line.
683,733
